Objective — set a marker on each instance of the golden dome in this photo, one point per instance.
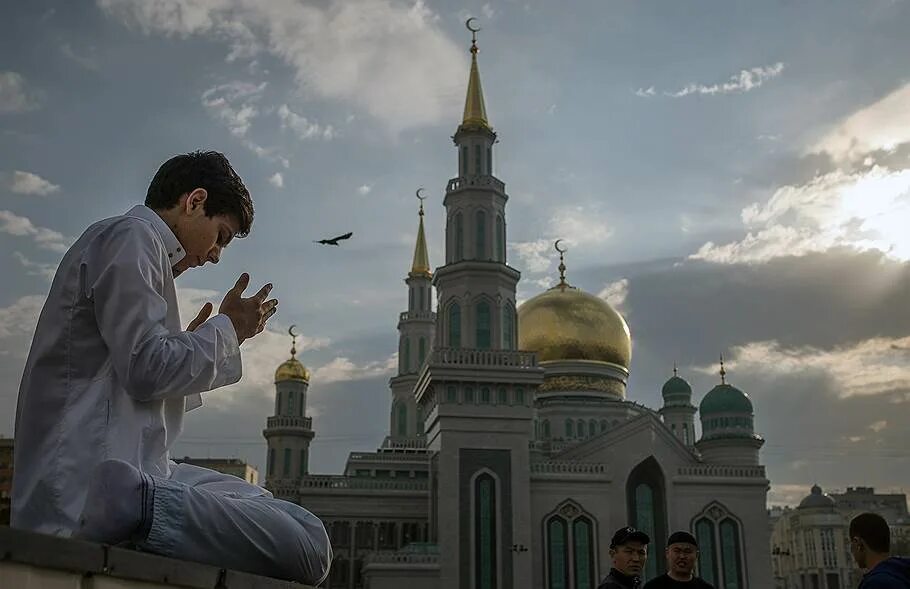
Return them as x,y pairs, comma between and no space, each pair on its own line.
292,369
565,323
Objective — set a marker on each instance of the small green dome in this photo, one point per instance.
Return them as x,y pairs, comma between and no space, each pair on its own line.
675,387
725,398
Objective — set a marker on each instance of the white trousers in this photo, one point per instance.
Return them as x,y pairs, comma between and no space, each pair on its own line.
205,516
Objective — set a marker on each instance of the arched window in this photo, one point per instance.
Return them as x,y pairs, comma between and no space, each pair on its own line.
468,395
291,395
686,434
451,394
519,395
583,553
557,553
454,325
485,544
485,395
707,560
482,336
592,428
500,241
271,462
480,227
546,429
459,237
420,298
419,421
410,299
569,428
508,327
478,167
490,160
581,430
421,352
730,554
464,160
603,425
286,471
647,508
303,460
402,418
502,396
406,356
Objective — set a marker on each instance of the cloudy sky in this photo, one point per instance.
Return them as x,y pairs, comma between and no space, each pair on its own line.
734,176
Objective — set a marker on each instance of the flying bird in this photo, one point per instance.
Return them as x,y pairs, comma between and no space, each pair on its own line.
334,240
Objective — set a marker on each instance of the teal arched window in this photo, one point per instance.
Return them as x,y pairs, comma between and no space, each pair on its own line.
478,165
485,395
406,356
570,428
730,554
500,240
287,462
508,327
421,352
647,509
502,396
464,160
581,429
592,427
485,545
483,335
291,396
303,460
557,553
454,325
707,560
402,419
583,553
546,429
459,237
480,227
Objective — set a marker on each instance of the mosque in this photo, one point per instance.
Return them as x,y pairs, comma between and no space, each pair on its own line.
514,449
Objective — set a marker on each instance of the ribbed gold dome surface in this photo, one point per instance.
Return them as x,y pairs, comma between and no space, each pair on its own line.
566,323
292,369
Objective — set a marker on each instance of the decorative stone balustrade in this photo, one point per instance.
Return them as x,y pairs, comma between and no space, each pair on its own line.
289,421
428,315
388,556
482,181
389,457
720,470
343,482
568,467
467,357
404,443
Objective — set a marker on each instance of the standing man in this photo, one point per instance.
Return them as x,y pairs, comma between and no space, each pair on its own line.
111,372
870,545
629,551
682,555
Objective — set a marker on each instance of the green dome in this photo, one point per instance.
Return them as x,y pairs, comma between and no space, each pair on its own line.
725,398
676,386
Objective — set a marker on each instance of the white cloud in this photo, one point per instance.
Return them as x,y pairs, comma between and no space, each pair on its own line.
36,268
342,369
19,320
88,60
872,367
261,354
534,255
646,92
277,180
488,11
879,126
863,210
364,189
28,183
744,81
879,426
15,94
579,227
788,494
234,104
347,50
303,127
615,293
48,239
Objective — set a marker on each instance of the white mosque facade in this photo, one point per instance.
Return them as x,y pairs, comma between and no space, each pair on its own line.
514,450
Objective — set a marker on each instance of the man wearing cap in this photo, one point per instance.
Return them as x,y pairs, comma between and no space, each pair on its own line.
629,550
682,554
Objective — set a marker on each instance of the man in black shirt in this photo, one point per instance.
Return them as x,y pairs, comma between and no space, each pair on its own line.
629,550
682,554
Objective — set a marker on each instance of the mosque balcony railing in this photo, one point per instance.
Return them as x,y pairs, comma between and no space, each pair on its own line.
389,457
483,358
563,467
552,446
395,557
723,471
479,181
416,443
343,482
409,315
289,421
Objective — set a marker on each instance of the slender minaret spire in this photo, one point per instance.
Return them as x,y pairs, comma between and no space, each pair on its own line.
723,372
675,369
475,113
421,263
562,266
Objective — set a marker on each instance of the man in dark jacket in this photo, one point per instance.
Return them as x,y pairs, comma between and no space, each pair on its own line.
682,554
629,550
870,544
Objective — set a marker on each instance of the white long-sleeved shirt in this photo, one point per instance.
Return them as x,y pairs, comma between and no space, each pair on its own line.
110,371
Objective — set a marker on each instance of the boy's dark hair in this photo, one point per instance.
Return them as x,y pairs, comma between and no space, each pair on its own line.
872,529
202,169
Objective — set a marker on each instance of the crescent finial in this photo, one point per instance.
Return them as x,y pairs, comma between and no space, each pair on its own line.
467,24
291,331
557,248
422,198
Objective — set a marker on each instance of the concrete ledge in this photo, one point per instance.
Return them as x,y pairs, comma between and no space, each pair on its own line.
29,560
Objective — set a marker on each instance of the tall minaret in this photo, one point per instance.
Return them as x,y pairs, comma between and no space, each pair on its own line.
415,338
678,411
475,287
289,431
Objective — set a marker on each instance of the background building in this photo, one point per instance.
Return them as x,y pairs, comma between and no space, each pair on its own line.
6,478
231,466
514,447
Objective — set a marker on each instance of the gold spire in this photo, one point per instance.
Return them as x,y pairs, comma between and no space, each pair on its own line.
475,113
562,266
421,263
723,373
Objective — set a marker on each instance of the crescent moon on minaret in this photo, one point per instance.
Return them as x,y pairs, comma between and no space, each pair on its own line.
556,247
467,24
422,198
291,331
